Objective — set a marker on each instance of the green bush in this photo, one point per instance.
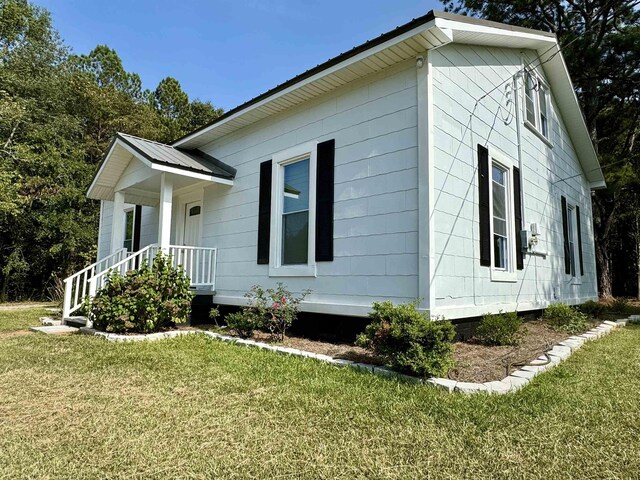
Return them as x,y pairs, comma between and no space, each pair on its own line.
243,323
592,308
408,340
499,329
621,306
565,318
144,300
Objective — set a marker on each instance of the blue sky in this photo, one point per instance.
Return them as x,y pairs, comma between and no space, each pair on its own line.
226,51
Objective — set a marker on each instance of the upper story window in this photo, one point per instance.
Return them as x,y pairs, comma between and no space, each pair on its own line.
536,95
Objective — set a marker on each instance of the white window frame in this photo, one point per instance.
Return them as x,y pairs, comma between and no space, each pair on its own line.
125,212
536,128
279,161
498,274
572,237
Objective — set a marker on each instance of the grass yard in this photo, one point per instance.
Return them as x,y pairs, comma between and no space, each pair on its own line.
79,407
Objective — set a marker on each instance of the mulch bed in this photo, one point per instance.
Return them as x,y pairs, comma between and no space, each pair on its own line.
474,362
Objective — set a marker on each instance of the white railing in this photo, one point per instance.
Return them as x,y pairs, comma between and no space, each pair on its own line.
199,264
132,262
76,287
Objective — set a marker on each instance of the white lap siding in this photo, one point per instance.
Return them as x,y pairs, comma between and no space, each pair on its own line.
461,75
373,123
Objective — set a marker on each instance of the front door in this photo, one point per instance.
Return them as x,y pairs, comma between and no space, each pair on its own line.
192,214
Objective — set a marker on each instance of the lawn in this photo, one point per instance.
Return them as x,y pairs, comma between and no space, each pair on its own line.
79,407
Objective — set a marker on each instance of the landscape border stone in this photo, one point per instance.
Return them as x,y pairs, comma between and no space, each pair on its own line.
513,382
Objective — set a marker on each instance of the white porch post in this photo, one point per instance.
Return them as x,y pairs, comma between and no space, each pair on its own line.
117,222
166,203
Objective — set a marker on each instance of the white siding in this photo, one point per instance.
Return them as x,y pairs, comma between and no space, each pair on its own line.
104,231
375,238
461,75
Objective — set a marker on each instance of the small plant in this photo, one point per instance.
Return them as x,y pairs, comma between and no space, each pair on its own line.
503,328
592,308
274,309
143,300
243,323
214,314
565,318
408,340
621,306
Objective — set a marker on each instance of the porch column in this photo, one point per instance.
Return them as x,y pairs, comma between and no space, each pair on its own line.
117,222
166,203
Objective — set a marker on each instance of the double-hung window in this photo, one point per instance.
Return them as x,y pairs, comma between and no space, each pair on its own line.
571,215
502,208
129,218
536,101
293,212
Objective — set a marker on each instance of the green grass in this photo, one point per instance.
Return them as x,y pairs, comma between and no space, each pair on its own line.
21,319
79,407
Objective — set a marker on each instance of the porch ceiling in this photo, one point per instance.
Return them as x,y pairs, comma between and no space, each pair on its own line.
133,166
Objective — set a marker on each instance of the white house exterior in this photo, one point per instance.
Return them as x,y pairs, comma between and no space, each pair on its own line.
403,169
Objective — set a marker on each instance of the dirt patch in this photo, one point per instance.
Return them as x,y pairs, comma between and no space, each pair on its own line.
336,350
17,333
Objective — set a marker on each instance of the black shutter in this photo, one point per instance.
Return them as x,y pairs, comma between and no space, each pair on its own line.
517,203
484,208
264,213
324,200
565,234
579,231
137,223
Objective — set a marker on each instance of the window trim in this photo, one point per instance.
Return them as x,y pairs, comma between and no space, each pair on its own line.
281,160
499,274
535,128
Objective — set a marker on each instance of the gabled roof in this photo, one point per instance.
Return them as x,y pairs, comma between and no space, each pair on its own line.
410,40
157,157
193,160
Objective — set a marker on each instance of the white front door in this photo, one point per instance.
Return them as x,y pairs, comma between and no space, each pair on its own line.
192,217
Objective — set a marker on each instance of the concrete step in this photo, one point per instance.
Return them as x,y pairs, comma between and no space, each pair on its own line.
76,321
55,329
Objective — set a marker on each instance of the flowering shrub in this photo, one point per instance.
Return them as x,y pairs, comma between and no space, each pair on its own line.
273,309
143,300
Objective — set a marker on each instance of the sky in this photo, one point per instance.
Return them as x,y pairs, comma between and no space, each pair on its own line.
226,51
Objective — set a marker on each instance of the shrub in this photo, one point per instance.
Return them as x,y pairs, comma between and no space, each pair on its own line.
274,309
501,328
593,309
143,300
408,340
243,323
565,318
621,306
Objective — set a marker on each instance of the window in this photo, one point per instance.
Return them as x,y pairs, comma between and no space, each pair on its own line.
128,229
293,212
502,219
536,102
571,236
500,224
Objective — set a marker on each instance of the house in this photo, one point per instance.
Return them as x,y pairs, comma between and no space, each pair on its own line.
446,161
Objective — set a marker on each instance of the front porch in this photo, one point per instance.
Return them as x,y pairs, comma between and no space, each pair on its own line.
138,173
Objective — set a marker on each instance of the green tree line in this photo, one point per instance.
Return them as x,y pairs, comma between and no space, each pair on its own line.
58,112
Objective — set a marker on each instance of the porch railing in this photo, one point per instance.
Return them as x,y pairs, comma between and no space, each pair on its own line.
199,264
76,287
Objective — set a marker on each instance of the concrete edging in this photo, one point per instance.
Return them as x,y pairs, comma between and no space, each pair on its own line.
511,383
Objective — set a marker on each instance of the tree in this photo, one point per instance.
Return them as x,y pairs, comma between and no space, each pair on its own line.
600,40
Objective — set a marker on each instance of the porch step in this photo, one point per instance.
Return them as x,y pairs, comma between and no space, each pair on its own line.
76,321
